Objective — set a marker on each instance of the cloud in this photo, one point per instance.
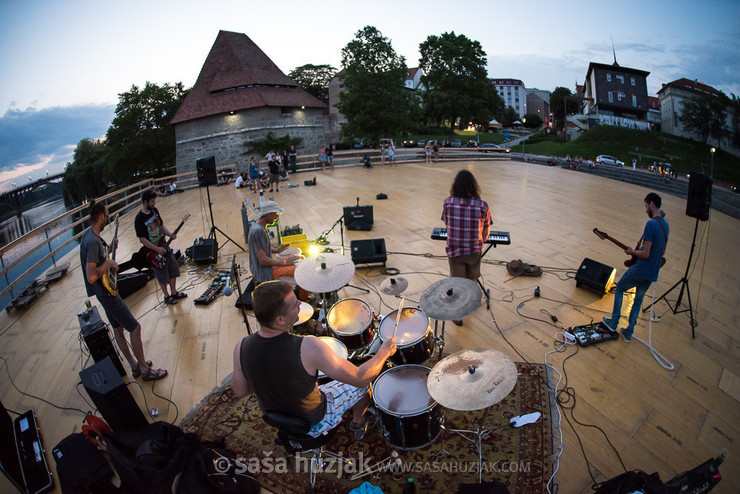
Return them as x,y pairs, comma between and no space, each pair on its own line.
33,141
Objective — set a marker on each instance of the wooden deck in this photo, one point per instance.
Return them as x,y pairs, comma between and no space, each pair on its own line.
659,420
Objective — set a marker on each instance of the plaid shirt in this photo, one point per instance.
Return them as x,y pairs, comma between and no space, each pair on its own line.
465,219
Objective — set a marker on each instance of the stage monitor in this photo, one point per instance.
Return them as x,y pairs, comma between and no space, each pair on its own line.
358,217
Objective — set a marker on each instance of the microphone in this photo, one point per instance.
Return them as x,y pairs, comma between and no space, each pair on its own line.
227,289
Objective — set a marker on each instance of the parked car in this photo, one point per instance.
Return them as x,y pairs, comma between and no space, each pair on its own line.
362,144
409,143
456,143
605,159
489,147
421,143
471,144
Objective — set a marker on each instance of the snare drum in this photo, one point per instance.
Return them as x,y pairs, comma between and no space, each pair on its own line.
338,348
415,343
410,418
351,320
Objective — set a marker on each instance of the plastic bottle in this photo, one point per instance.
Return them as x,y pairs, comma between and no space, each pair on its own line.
410,487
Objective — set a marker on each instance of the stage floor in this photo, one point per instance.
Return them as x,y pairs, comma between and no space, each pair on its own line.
659,420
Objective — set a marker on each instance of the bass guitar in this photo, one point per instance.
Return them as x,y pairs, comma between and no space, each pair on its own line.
157,261
633,259
110,276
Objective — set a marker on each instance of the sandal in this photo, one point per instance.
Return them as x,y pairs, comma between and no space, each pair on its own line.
180,295
153,375
170,300
137,371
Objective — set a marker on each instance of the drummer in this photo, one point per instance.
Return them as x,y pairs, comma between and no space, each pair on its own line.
281,368
263,266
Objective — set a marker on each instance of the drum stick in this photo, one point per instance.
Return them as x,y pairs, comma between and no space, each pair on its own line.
398,316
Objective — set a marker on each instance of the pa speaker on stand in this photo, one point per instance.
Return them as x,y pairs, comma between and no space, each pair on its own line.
206,168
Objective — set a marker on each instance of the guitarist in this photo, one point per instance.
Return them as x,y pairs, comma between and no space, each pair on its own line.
94,264
151,232
645,270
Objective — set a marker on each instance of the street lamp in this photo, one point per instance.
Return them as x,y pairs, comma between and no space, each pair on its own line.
711,169
524,122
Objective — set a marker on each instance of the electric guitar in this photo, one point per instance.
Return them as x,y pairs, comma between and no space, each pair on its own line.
110,277
157,261
633,259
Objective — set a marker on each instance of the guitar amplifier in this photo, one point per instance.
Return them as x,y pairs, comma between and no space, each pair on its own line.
205,251
595,276
97,339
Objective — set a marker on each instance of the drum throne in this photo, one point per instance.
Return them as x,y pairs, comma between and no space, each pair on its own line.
293,436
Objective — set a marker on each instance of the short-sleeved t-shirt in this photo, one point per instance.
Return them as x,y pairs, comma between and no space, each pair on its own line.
648,268
149,226
92,250
258,239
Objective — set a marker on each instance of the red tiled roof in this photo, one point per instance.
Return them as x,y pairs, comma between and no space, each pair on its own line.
693,86
653,103
237,75
412,72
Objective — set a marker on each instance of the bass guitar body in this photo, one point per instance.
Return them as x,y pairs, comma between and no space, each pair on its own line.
110,277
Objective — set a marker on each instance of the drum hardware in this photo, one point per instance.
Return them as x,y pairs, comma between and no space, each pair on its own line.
472,380
450,299
440,339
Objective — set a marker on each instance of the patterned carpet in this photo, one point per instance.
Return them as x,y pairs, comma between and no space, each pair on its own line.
518,457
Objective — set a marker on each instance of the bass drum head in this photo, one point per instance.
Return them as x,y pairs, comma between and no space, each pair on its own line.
412,327
402,391
349,317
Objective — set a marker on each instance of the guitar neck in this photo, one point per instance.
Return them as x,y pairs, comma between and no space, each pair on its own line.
167,244
616,242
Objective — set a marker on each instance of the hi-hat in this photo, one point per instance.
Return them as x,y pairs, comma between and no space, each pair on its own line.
394,286
472,379
304,313
324,272
450,299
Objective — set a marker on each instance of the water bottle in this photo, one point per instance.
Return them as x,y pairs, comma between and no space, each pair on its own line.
262,196
410,487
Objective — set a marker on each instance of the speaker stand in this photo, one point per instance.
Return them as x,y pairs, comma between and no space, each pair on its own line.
684,282
212,233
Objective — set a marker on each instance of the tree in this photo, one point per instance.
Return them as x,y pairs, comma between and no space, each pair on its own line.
509,116
557,105
456,81
272,143
84,178
140,138
314,79
375,102
533,121
705,116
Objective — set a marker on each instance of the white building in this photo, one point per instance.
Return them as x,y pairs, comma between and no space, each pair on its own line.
513,93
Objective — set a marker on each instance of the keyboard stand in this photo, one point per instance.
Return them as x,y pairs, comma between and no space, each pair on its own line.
486,291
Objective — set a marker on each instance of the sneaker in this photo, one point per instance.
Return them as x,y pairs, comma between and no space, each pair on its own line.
369,420
627,336
609,324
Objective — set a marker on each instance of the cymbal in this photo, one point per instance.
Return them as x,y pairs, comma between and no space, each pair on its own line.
324,272
472,379
290,251
450,298
394,286
304,313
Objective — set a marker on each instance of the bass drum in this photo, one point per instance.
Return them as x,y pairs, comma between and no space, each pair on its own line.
415,339
409,417
352,322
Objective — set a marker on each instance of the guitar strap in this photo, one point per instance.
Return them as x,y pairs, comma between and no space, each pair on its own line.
665,235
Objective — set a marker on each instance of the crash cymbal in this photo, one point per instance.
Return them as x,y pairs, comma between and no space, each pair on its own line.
450,299
324,272
472,379
304,313
394,286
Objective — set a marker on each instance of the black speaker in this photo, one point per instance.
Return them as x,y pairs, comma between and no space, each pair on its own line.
205,251
700,196
358,217
96,337
132,282
111,396
595,276
206,171
368,251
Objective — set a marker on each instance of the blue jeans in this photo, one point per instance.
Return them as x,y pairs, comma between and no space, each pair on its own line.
629,280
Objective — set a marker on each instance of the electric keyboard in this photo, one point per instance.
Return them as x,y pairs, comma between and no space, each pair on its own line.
494,238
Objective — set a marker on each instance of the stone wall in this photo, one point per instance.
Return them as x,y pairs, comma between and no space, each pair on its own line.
223,136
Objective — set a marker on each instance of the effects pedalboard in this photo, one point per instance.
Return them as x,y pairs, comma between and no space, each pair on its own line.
590,334
218,284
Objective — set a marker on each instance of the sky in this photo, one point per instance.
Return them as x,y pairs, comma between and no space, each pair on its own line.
64,63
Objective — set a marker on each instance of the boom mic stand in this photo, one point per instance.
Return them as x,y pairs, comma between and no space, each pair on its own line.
212,234
684,282
322,241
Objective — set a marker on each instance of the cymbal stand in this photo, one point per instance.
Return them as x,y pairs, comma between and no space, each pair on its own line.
439,339
480,434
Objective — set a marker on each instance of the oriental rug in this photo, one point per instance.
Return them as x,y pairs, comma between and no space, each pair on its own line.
520,458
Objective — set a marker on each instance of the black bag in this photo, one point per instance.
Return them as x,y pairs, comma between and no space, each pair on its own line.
246,298
630,482
214,469
81,467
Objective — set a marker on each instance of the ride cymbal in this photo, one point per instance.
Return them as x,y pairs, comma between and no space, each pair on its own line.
324,272
451,299
472,379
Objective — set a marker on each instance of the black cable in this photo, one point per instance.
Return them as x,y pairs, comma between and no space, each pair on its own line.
10,378
177,410
13,411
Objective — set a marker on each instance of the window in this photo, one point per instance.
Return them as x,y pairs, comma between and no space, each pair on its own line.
611,97
608,77
634,99
620,78
632,81
620,95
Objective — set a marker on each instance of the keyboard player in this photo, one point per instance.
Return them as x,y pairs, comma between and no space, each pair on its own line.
468,221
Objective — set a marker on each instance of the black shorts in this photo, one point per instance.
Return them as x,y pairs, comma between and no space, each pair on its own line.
118,313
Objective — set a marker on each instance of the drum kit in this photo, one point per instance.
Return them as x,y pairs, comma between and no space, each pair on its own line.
408,395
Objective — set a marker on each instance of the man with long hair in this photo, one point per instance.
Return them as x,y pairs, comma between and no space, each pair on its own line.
468,221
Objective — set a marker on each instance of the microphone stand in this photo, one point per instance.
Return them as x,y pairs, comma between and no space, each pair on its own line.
235,274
